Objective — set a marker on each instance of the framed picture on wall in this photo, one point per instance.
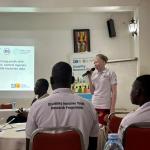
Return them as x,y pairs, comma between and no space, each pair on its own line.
81,40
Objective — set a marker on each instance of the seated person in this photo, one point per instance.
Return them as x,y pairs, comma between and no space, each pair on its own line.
40,90
64,108
140,95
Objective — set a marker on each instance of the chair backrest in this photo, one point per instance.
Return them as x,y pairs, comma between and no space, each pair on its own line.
60,138
113,122
137,136
6,106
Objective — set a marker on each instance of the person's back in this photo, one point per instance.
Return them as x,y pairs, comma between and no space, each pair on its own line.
63,108
140,95
40,90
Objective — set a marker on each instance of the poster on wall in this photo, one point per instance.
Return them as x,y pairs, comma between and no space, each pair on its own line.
81,62
81,40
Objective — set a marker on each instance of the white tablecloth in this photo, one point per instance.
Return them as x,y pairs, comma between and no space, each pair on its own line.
11,139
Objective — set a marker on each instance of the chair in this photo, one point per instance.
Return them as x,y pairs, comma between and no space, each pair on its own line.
114,121
6,106
61,138
137,136
112,126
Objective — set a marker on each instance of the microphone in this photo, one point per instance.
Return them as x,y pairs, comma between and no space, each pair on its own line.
88,72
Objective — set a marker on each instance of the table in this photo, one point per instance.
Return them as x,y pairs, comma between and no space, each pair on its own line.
5,113
11,138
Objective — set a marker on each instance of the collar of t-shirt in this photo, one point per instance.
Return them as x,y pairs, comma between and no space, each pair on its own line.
62,90
144,106
100,72
45,95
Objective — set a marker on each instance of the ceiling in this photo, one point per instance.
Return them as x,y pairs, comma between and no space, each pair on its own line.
65,9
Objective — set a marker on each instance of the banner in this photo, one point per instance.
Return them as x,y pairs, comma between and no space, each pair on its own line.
81,62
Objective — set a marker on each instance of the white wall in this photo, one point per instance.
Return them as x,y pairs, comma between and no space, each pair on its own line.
67,3
144,37
51,34
126,73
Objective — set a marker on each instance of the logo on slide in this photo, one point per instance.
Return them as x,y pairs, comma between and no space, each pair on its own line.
6,51
13,86
16,85
19,85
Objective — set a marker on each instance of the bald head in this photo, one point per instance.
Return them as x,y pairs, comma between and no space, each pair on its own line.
61,75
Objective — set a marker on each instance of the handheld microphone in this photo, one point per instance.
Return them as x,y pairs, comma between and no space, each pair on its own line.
88,72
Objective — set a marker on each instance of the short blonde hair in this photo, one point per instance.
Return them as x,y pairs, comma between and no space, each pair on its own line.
103,57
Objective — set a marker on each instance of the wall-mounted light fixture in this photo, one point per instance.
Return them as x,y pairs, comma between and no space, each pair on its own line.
133,26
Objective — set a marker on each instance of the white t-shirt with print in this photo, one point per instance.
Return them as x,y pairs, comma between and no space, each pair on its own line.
63,108
142,114
102,82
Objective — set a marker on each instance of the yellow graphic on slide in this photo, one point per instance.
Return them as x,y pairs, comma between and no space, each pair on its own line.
18,85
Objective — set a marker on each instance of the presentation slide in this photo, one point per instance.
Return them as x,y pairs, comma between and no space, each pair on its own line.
16,68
